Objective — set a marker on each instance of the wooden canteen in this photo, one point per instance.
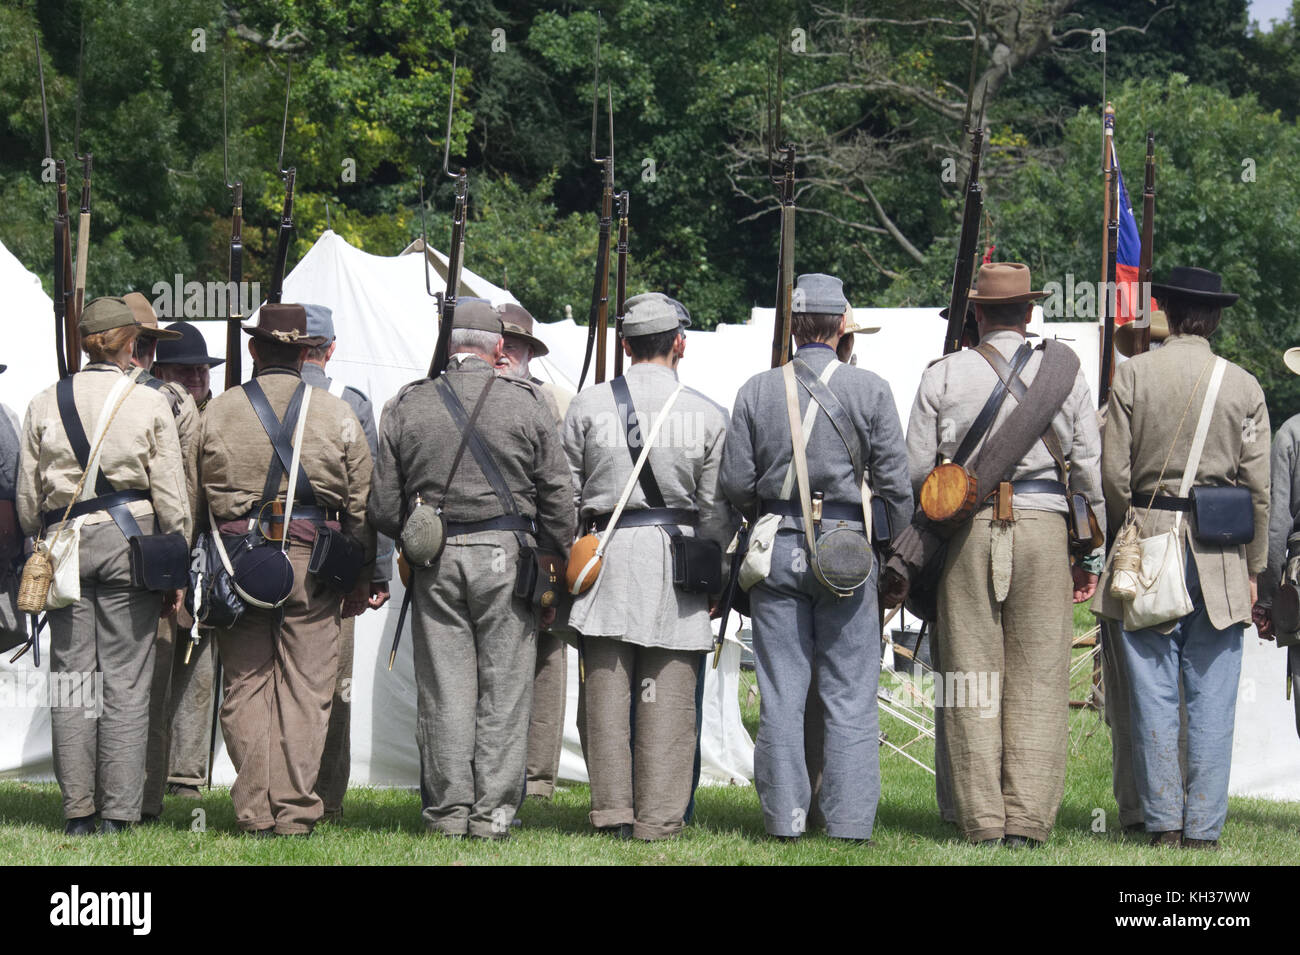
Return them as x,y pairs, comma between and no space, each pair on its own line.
948,494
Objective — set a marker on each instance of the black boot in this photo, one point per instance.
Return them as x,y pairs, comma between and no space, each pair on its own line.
81,826
109,826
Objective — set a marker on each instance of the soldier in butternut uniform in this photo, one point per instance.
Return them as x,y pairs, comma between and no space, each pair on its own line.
546,725
1004,601
111,629
643,638
186,415
474,641
1152,418
280,665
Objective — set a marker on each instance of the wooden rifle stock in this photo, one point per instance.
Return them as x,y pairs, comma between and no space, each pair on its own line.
455,256
60,300
234,294
83,250
785,262
282,241
71,337
602,271
964,267
620,284
1142,336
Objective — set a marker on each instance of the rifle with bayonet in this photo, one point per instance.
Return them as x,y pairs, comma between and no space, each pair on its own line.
286,216
781,174
620,284
598,316
234,291
1142,336
83,225
1110,298
972,212
455,252
62,246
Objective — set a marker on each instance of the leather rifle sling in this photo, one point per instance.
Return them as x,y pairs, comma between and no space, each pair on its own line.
1011,378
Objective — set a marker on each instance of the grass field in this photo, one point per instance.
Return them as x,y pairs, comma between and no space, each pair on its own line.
383,827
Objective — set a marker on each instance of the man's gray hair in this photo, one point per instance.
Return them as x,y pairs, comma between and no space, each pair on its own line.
472,339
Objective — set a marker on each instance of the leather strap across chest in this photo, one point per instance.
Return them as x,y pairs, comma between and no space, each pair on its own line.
1009,375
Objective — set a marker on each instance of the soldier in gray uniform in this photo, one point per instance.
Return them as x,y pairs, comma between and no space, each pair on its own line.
336,761
546,725
643,639
800,626
474,641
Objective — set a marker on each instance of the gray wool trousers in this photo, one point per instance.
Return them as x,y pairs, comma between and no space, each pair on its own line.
801,627
108,635
475,650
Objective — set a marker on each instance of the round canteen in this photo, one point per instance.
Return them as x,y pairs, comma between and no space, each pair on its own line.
263,576
584,565
423,536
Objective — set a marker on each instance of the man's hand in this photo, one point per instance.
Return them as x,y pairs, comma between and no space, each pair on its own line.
893,590
1262,617
1085,584
1254,589
171,603
379,594
715,605
358,600
547,617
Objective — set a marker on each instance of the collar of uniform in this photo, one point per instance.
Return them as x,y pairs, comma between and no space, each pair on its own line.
1004,337
314,374
277,370
464,361
814,345
649,368
103,366
1188,341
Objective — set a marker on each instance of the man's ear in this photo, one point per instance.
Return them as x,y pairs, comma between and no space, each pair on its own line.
500,350
844,323
330,354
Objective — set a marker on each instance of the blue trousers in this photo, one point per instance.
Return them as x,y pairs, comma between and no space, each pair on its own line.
1209,662
800,626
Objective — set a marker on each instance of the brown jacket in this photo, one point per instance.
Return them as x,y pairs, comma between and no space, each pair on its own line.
234,453
1146,405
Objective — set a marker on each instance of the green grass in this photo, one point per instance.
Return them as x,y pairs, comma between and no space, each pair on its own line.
384,827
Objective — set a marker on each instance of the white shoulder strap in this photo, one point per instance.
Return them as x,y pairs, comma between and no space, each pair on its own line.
293,468
636,471
115,397
809,419
1202,429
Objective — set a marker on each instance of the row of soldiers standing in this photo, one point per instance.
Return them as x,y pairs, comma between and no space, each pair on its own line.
480,650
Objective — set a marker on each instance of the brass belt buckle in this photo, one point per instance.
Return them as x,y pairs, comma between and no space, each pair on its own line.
817,500
265,525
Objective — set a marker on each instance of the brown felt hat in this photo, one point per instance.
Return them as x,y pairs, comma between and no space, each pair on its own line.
285,324
147,317
1004,283
516,322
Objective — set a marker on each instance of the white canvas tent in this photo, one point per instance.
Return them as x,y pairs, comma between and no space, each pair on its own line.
385,324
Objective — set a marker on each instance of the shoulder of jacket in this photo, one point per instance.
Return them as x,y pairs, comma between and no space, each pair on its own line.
524,383
705,399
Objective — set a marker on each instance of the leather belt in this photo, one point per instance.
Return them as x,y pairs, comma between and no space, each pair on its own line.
650,517
1038,486
304,512
831,510
1168,502
102,503
506,522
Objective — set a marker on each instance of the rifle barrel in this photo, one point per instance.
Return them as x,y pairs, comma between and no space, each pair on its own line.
234,309
1143,337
